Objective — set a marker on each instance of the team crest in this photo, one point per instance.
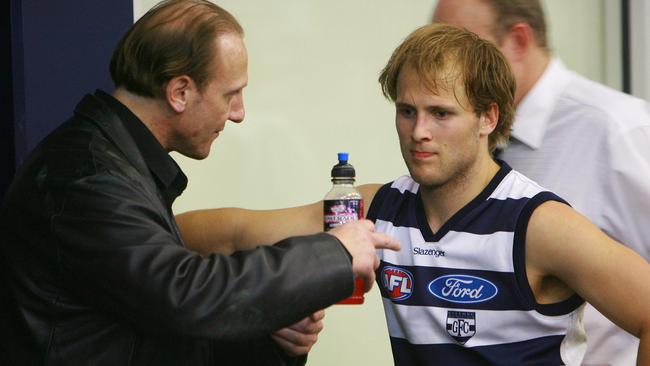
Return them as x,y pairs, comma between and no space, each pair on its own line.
461,325
398,283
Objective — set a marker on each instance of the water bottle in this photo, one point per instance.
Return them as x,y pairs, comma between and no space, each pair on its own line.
344,203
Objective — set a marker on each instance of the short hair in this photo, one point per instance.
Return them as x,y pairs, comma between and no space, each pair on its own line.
509,12
435,50
175,37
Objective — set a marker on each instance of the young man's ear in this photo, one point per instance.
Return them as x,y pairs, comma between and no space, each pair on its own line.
178,91
489,119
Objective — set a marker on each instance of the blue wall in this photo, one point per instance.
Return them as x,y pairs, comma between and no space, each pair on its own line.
7,150
60,50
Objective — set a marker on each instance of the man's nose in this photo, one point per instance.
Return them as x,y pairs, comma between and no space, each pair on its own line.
237,112
421,129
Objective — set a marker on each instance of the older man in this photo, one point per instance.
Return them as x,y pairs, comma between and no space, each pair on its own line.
94,269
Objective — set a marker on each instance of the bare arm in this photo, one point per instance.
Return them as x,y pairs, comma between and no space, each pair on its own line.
563,245
226,230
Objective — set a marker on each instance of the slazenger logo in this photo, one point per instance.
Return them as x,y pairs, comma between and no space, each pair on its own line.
433,252
462,289
397,282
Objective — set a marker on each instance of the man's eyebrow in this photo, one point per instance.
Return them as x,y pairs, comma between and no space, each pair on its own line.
433,106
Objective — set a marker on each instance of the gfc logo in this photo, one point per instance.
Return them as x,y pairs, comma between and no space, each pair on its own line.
461,325
397,282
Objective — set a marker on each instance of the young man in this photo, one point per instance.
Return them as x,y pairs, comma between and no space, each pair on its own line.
94,269
493,268
582,140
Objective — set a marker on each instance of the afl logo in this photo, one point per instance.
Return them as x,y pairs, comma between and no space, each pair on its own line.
397,282
462,289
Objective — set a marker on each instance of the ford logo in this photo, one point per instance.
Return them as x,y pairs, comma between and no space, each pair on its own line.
462,289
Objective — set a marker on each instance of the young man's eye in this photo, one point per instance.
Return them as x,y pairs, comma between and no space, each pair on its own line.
441,114
406,112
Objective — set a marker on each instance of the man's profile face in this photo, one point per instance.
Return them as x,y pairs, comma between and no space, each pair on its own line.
220,101
438,132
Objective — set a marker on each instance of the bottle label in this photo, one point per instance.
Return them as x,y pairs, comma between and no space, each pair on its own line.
338,212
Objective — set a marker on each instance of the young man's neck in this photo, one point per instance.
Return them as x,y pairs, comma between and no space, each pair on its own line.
441,203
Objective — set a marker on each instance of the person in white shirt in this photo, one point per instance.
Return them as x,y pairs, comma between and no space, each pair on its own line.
588,143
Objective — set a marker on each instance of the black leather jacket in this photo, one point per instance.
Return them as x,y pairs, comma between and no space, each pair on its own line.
95,272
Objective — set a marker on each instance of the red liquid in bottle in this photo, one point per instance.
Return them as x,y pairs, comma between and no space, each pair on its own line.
357,294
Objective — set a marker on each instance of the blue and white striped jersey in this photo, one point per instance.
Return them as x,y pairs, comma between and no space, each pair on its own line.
460,296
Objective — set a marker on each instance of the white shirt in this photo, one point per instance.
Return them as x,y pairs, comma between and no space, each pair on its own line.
591,145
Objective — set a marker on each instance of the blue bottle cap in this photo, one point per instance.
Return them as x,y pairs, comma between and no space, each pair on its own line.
343,169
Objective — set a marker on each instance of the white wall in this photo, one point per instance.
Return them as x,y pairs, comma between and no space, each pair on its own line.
313,91
576,34
640,48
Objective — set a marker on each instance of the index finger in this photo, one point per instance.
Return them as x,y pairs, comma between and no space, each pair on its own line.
385,241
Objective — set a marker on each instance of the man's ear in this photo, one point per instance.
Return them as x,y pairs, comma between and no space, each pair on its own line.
517,41
489,119
178,92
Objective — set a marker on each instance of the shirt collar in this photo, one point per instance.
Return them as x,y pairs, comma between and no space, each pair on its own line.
534,111
170,178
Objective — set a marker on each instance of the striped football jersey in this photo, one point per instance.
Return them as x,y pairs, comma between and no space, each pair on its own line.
460,296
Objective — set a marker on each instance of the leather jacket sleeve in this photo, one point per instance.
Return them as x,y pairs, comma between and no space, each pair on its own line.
117,251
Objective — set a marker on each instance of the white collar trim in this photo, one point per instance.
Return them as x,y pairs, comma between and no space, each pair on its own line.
534,110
